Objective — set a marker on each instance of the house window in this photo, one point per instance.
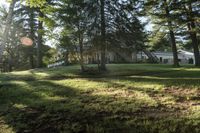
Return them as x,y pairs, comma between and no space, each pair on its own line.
143,57
166,61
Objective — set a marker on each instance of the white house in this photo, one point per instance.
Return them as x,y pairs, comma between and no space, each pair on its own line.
123,56
184,57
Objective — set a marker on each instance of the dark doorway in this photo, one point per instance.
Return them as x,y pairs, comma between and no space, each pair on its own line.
191,61
161,59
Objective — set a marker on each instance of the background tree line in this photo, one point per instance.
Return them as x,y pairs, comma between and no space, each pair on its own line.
99,25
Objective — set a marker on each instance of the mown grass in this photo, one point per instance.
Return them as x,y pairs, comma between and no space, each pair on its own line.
135,98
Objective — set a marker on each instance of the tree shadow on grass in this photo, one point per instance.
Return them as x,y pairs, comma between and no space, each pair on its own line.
47,107
27,110
179,89
177,96
185,82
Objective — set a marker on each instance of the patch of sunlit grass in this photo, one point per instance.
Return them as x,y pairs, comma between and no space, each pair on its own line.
195,112
167,100
19,106
133,97
5,128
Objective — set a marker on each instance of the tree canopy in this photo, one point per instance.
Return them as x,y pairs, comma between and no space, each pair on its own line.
100,26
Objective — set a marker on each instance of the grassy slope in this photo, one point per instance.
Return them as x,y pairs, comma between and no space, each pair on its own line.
129,98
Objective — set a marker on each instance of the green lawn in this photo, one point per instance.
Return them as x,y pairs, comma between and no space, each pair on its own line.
128,98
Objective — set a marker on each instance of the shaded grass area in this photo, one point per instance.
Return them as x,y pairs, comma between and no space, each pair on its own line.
135,98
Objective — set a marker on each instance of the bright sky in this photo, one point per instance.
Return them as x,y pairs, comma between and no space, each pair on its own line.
3,2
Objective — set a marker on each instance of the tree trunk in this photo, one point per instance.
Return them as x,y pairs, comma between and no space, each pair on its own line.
10,63
193,36
39,44
174,49
31,59
32,36
103,35
7,28
81,52
195,46
172,37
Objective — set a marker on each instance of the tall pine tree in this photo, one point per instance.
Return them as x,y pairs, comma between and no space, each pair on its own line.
160,11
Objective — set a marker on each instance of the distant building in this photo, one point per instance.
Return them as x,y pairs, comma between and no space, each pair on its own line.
184,57
111,57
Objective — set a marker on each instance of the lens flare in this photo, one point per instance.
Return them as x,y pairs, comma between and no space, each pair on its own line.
26,41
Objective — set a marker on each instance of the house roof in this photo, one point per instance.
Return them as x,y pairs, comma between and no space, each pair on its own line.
186,52
163,53
170,53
